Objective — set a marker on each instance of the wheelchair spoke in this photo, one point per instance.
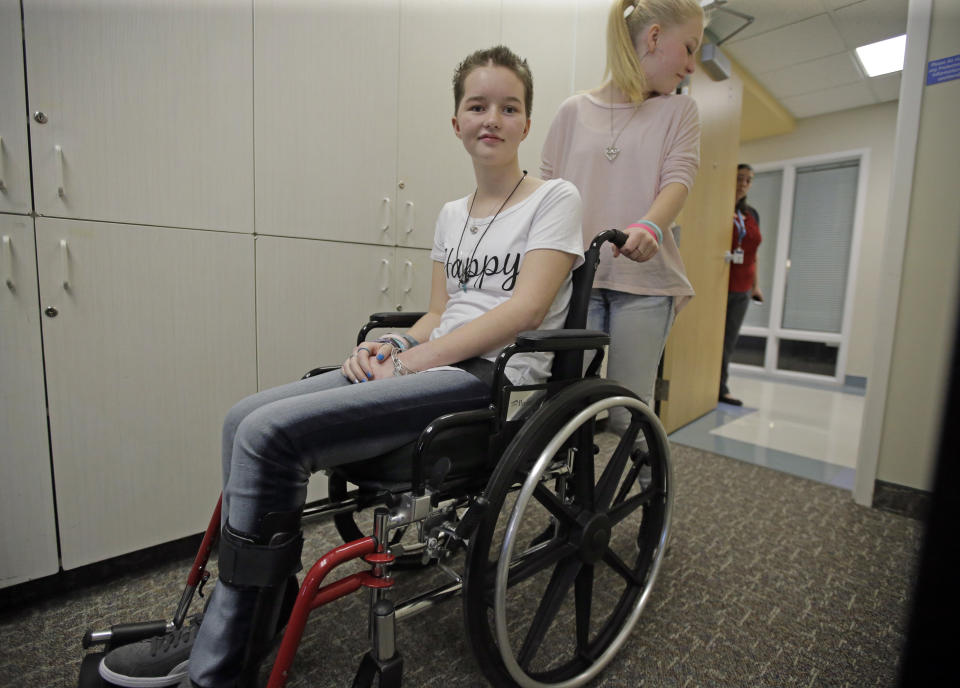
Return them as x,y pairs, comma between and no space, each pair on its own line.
614,470
584,603
628,482
563,577
624,509
536,562
583,473
617,564
551,502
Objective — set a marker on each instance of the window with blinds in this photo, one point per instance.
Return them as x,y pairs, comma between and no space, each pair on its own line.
820,239
764,196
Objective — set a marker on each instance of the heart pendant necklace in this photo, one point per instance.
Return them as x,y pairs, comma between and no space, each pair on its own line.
611,152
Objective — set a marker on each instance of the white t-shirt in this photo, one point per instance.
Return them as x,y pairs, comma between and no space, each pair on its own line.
547,219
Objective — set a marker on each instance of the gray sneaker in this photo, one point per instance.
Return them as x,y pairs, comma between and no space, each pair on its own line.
158,661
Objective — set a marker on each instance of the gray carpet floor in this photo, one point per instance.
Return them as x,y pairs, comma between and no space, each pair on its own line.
770,580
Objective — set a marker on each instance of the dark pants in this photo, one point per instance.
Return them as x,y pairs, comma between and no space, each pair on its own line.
737,303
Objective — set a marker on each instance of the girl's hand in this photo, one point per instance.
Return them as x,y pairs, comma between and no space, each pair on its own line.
639,247
382,369
359,366
757,295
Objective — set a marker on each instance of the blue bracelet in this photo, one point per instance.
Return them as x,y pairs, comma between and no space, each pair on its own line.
650,227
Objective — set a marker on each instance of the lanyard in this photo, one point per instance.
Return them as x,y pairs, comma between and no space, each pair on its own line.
740,224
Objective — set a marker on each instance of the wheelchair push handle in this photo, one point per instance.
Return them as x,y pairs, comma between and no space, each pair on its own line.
614,236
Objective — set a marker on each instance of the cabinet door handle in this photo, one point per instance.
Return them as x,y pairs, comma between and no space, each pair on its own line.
3,186
408,272
8,261
59,155
410,217
65,264
385,285
386,224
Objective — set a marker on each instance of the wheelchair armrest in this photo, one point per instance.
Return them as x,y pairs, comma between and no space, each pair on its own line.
388,319
319,371
561,340
551,340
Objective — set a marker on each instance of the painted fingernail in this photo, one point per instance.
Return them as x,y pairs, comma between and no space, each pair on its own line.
369,376
379,357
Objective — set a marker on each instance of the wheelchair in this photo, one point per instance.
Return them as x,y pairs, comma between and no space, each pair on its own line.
564,526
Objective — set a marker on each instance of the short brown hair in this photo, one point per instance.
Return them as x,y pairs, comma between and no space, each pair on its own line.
499,56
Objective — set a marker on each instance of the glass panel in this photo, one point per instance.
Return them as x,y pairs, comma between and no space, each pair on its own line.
820,236
749,350
808,357
764,196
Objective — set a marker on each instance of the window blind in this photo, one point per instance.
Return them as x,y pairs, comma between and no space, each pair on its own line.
820,240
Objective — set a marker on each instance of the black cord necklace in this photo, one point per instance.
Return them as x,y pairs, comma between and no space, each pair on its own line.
466,275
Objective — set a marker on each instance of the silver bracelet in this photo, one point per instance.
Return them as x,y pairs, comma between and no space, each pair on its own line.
398,366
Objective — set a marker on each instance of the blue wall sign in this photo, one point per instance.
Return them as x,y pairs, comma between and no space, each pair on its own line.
944,69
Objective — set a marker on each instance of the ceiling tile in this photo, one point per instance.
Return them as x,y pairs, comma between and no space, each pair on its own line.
801,42
871,21
767,16
815,75
829,100
886,87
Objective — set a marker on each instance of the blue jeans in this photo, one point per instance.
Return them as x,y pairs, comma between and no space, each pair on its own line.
638,327
274,440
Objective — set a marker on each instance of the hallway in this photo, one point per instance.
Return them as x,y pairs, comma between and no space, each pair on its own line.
797,427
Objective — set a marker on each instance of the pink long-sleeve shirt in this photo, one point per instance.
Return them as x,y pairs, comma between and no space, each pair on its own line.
658,146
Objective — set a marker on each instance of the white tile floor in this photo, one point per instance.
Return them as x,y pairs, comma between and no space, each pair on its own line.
805,429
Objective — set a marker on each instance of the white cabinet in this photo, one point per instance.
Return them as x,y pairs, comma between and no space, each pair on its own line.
534,29
28,539
151,342
146,108
433,167
326,119
14,152
313,297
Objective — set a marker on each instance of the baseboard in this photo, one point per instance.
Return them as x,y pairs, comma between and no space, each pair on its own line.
900,499
22,594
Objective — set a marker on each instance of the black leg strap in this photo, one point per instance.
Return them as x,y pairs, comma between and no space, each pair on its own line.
264,560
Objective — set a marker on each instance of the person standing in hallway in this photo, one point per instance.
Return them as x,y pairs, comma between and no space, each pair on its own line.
743,274
632,148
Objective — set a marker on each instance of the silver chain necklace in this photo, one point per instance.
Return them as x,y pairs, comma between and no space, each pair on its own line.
611,151
466,274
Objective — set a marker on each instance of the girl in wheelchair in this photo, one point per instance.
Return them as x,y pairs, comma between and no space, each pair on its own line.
503,257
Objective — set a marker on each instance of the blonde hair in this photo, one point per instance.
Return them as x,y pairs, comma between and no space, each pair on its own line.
623,64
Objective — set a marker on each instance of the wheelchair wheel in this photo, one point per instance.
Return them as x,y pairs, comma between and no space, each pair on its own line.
571,510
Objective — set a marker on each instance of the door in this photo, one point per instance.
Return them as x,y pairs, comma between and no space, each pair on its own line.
14,155
312,299
433,166
147,111
28,540
151,342
691,366
326,119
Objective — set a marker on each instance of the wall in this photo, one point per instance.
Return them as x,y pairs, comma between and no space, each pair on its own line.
868,127
922,343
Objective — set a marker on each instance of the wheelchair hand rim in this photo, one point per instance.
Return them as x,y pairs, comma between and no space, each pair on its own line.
513,525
